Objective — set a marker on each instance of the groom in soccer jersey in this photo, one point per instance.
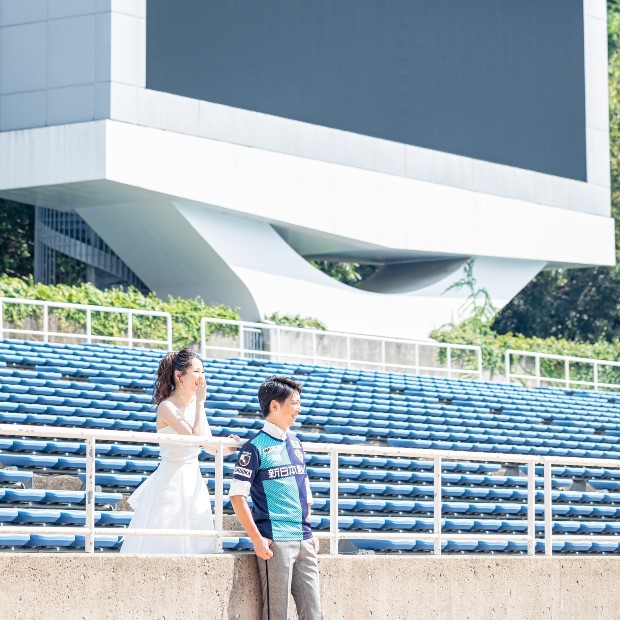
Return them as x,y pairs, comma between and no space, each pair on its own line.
271,469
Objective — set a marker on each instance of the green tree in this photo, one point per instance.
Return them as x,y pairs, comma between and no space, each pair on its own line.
578,304
16,239
347,273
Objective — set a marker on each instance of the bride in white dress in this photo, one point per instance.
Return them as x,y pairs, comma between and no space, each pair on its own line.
175,495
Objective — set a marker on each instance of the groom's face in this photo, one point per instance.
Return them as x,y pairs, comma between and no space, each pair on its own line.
284,414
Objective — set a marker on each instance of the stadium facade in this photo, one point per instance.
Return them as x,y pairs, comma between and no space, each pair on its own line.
215,147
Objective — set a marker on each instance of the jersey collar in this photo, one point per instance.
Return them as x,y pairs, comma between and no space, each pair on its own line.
275,431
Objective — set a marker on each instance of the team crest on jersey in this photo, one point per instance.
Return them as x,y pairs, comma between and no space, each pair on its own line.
244,458
299,454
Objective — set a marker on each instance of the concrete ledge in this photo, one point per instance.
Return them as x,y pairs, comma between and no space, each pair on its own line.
68,586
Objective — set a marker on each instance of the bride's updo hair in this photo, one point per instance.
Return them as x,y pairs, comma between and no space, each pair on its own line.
165,383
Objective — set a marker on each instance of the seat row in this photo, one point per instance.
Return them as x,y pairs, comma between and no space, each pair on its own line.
117,518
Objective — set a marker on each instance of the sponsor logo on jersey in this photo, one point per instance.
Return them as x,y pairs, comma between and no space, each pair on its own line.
244,458
273,449
295,443
285,471
243,472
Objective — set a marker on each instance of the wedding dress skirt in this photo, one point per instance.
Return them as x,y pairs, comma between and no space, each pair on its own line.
173,496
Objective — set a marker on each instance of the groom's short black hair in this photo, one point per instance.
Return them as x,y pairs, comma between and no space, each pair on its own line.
278,389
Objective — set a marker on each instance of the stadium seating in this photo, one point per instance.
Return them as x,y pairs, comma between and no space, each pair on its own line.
108,387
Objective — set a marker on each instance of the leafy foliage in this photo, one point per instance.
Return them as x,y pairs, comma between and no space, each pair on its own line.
578,304
494,346
347,273
295,321
186,313
478,304
16,238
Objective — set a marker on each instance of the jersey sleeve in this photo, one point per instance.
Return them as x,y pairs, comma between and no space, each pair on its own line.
246,468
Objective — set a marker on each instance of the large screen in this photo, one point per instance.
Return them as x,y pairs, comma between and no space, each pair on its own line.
496,80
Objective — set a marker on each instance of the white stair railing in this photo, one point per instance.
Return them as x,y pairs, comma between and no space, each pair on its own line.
530,370
91,436
46,333
314,346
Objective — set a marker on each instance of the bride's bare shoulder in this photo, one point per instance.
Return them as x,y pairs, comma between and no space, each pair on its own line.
165,409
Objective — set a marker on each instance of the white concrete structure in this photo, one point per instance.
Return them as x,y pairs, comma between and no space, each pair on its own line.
200,198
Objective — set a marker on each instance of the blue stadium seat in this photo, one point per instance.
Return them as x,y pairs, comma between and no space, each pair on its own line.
79,386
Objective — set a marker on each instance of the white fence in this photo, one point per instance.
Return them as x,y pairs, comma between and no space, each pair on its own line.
283,343
46,332
90,437
313,346
531,370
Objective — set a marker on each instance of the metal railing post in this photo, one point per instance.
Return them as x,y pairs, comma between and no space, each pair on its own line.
89,539
548,509
417,358
531,508
314,348
89,326
437,502
130,329
46,337
219,498
507,366
348,351
169,332
537,369
479,356
566,373
333,501
595,365
449,361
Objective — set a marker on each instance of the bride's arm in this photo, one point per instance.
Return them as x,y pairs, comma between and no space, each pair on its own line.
203,424
167,412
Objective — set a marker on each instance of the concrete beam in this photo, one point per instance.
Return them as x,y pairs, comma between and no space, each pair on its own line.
352,587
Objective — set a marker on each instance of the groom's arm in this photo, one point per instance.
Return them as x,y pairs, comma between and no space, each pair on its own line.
242,510
246,468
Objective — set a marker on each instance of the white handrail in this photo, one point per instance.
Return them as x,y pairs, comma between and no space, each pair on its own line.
88,336
565,381
334,450
277,351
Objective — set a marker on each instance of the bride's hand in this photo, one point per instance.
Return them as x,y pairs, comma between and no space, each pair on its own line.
232,449
201,390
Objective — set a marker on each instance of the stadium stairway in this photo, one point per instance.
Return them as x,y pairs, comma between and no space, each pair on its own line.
108,387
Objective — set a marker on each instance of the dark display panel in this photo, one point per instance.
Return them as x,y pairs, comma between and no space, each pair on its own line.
496,80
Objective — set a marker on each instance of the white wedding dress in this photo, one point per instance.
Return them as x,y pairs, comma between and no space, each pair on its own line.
173,496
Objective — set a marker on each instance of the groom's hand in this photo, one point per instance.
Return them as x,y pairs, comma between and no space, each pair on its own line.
261,548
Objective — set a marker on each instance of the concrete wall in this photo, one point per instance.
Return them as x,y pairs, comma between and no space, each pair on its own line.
144,587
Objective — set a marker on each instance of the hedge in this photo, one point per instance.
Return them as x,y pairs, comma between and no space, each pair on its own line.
185,313
494,346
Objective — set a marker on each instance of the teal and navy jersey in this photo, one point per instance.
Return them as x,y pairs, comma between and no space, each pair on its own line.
273,472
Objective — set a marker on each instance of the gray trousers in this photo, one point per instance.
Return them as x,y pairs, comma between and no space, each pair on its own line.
293,569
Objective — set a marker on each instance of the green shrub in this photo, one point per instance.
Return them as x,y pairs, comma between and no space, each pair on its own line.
494,347
295,321
185,313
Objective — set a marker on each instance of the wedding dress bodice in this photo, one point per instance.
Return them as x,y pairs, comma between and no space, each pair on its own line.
180,452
